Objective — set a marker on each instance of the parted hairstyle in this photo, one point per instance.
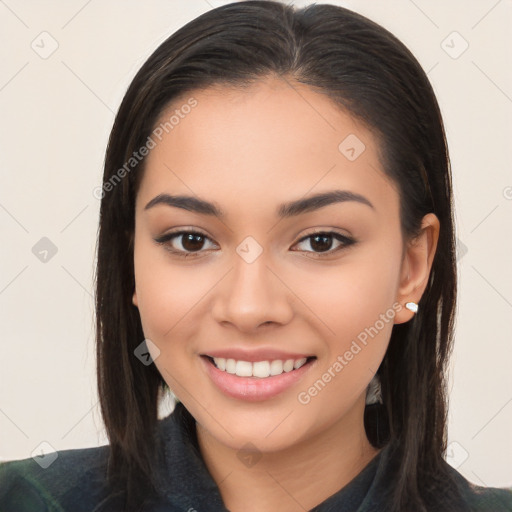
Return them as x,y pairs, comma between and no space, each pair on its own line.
365,71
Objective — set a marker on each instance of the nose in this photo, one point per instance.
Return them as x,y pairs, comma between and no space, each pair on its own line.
252,295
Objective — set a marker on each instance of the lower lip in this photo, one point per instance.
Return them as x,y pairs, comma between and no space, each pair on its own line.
254,388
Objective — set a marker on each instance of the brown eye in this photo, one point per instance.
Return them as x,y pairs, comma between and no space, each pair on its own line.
322,242
192,242
184,243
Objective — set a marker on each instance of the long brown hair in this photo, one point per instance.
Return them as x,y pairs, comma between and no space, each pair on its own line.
369,73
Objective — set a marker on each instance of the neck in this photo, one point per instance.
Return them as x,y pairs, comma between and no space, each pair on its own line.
295,478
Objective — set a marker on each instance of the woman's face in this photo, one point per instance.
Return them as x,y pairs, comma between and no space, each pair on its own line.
254,288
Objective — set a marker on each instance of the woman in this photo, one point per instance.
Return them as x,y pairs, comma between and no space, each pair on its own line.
276,247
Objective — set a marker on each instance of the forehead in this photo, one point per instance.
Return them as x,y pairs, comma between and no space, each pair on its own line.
275,139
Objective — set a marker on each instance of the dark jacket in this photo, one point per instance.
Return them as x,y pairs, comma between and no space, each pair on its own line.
75,481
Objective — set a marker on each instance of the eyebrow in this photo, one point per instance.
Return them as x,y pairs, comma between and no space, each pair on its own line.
291,209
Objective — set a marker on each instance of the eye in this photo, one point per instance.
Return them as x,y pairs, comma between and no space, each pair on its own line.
191,243
184,243
322,242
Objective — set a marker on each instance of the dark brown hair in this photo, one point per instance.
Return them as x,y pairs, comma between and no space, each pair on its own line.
367,72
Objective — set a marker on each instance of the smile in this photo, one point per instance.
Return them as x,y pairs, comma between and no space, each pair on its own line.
260,369
255,380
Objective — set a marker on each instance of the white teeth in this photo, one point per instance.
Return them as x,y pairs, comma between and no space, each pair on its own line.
261,369
288,365
299,362
276,367
243,369
231,366
220,362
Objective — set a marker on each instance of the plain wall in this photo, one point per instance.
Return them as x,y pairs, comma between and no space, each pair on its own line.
56,114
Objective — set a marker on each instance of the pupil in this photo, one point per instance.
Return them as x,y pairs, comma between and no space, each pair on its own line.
192,242
324,245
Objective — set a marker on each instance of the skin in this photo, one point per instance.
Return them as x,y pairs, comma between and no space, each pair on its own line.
248,151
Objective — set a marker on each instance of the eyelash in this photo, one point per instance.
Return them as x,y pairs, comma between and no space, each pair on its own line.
165,239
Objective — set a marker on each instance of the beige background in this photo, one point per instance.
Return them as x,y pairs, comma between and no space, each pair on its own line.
57,111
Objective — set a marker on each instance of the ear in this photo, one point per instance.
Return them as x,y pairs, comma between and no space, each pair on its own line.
416,266
134,299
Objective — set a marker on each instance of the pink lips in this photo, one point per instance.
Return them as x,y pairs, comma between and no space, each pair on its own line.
254,388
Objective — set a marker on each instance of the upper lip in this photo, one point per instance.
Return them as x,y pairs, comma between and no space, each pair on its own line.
252,356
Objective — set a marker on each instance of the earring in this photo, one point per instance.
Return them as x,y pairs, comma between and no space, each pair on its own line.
412,306
374,391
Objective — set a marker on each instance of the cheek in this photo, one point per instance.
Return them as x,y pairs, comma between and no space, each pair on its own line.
169,297
166,293
352,296
355,318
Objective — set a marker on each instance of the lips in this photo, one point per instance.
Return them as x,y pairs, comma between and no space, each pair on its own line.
255,376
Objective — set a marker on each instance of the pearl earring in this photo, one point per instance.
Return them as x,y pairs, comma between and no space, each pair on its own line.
412,306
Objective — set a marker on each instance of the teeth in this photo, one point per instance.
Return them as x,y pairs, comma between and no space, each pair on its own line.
261,369
243,369
231,366
288,365
276,367
299,362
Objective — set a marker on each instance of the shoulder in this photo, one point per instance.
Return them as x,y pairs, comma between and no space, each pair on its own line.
54,482
483,499
488,499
